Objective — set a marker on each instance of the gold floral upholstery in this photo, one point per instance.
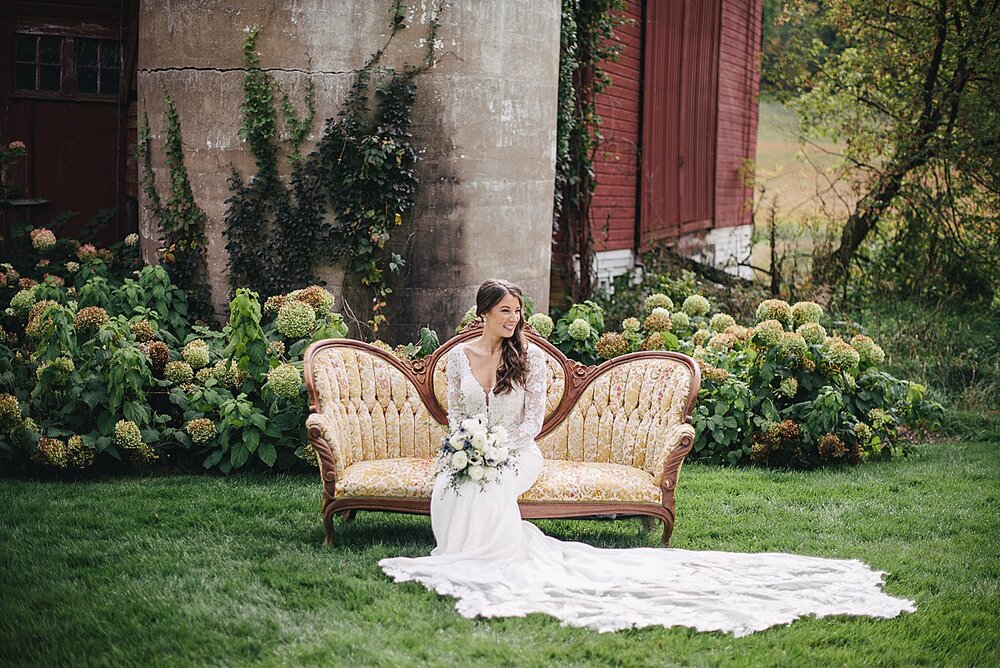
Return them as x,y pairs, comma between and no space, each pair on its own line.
625,416
371,408
405,478
589,482
559,482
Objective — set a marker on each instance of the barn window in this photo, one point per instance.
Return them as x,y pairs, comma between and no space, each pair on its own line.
98,66
67,66
38,63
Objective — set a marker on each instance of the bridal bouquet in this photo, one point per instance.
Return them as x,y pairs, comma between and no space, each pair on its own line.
475,451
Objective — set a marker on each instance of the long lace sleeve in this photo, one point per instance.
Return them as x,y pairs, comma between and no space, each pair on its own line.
454,375
534,400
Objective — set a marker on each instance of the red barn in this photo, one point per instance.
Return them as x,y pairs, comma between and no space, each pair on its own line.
67,90
679,123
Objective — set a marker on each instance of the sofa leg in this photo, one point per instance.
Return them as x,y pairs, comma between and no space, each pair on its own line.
667,530
348,516
328,528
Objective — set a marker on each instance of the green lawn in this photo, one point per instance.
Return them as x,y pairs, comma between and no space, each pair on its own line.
195,570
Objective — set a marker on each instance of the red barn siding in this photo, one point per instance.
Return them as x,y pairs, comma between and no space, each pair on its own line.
679,121
739,55
77,148
679,118
616,165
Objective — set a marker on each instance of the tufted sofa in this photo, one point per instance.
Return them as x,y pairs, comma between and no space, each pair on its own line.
614,437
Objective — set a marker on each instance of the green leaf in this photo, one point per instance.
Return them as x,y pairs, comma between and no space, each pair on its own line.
212,459
251,438
267,453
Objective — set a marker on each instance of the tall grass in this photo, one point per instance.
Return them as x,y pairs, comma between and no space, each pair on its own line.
952,349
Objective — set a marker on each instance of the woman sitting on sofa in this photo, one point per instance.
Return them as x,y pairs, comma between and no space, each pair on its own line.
498,565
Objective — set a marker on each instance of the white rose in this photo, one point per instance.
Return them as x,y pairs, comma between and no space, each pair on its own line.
457,440
479,441
502,452
491,475
459,460
490,453
500,433
477,472
473,425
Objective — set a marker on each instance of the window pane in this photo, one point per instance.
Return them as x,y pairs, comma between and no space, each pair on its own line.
109,82
86,52
50,50
86,80
24,50
109,54
24,76
49,77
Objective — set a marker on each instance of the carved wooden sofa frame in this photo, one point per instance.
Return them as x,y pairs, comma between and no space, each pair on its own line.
577,377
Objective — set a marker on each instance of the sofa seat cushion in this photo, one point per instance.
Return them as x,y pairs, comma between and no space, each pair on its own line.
590,482
559,482
399,478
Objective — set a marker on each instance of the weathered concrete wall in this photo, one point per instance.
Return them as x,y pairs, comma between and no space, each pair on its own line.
484,126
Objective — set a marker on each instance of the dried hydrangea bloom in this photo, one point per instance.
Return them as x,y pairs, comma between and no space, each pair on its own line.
720,321
42,239
658,300
285,380
201,430
803,312
869,352
841,353
812,332
178,372
775,309
696,306
579,329
542,324
296,320
196,353
611,345
769,332
658,320
680,320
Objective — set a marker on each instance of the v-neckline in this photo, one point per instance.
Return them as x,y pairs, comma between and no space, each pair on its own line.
468,364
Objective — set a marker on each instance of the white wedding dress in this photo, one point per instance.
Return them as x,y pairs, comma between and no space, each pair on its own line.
498,565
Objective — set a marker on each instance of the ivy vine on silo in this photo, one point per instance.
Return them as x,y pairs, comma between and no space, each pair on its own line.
180,220
587,39
344,197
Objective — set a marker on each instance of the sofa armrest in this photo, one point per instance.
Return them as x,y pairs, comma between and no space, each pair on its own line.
323,434
658,459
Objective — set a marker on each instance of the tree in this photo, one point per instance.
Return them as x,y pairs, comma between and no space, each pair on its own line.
912,92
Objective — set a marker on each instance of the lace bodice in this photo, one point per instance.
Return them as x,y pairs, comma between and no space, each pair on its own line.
521,411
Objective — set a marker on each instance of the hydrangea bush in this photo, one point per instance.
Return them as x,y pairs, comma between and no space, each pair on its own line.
104,369
780,391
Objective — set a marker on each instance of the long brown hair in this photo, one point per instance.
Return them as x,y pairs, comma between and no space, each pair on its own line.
514,354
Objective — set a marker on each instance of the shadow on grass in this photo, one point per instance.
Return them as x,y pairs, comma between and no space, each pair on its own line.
412,533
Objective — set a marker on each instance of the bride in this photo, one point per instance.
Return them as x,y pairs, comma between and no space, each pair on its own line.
497,565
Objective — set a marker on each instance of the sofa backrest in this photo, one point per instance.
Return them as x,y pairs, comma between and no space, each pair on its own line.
626,404
377,402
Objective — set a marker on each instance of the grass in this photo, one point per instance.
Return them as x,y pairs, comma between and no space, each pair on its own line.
195,570
953,350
